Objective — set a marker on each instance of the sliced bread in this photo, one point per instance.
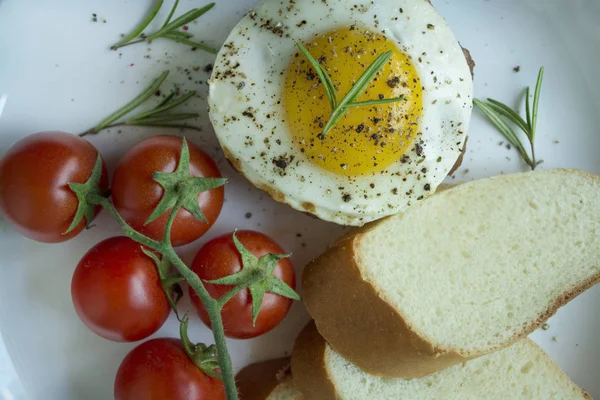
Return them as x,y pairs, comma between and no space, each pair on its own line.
519,372
464,273
267,380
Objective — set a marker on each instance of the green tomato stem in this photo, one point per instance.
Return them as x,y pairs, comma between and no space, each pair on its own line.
169,225
187,344
229,295
238,288
127,230
214,312
213,307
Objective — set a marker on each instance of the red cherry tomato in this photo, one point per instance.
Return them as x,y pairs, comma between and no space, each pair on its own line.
135,194
218,258
34,177
117,293
160,369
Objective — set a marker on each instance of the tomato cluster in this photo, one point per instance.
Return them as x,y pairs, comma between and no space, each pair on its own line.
118,289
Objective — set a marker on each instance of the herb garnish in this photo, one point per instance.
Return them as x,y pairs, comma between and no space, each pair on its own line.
338,109
153,117
169,30
495,110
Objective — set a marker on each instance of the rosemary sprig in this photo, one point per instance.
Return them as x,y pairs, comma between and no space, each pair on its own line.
169,30
495,111
154,117
338,109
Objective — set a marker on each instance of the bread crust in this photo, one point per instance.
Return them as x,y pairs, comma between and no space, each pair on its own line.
257,381
560,372
309,369
308,365
358,324
349,313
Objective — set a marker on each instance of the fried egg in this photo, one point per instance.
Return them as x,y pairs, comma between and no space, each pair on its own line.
268,106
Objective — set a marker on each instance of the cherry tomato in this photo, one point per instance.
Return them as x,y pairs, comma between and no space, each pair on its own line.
160,369
218,258
136,195
117,293
34,177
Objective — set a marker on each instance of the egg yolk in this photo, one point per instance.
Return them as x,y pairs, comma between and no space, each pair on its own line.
367,139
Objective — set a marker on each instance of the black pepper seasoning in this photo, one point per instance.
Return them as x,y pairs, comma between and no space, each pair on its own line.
419,149
393,82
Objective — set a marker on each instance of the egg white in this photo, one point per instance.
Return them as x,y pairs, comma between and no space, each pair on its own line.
248,115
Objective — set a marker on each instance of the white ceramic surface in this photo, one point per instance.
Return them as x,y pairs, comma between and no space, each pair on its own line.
56,72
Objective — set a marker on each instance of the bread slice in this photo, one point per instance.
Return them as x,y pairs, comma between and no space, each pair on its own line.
521,371
267,380
464,273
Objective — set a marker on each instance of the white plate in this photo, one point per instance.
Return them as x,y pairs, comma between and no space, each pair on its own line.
56,72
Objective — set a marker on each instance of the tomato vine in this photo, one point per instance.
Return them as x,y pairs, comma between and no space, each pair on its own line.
181,190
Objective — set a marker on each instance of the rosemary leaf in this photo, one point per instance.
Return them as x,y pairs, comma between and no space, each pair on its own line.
139,99
164,118
356,90
140,28
161,125
504,128
527,108
365,78
181,20
338,109
165,100
192,44
182,34
323,76
170,29
171,13
375,102
165,107
536,99
495,110
330,86
509,113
